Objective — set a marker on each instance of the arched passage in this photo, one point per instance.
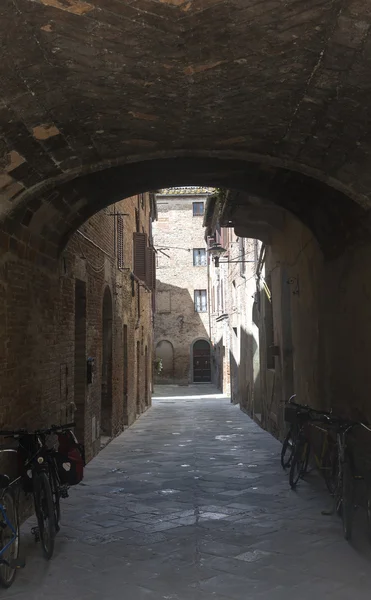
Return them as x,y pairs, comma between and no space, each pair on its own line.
106,385
165,353
201,362
49,218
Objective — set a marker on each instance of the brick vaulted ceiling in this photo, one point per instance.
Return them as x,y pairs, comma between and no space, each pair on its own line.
93,85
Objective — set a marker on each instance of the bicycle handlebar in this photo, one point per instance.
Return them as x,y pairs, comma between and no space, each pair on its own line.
52,429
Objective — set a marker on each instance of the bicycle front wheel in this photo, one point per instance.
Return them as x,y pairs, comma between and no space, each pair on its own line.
299,463
56,501
330,468
9,538
287,449
347,500
44,508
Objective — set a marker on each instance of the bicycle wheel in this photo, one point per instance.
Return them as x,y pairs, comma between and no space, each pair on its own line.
347,507
299,463
9,531
56,501
369,508
287,449
330,469
44,508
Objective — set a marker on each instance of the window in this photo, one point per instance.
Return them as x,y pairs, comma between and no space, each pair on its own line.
242,257
163,302
199,257
198,209
269,327
200,301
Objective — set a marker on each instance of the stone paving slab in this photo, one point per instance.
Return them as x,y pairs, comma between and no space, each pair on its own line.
190,503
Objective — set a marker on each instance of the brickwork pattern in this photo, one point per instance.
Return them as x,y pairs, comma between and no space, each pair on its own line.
37,328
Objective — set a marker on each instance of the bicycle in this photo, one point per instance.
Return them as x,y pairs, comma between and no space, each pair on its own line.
345,489
326,460
40,477
294,413
9,528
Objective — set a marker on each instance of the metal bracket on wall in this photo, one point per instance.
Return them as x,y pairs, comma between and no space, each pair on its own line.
294,281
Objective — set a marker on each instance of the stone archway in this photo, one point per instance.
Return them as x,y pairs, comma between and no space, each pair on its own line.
165,352
106,384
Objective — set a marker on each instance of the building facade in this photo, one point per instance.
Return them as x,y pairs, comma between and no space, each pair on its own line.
87,324
182,318
268,311
234,335
107,287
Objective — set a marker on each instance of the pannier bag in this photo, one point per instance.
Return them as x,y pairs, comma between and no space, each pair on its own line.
70,458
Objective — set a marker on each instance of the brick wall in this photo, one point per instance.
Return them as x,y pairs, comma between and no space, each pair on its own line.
38,353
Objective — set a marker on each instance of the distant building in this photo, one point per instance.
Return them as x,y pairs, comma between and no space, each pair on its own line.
182,328
234,334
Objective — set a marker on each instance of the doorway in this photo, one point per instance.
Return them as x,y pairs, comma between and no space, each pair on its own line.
80,359
201,362
146,368
125,375
138,378
106,390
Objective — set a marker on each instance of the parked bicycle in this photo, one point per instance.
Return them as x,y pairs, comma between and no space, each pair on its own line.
294,413
344,496
9,531
42,474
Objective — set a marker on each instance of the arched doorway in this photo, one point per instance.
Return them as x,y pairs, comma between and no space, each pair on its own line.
106,390
201,362
165,352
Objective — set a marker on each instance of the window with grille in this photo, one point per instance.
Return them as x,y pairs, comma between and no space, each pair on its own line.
199,257
198,209
120,242
200,301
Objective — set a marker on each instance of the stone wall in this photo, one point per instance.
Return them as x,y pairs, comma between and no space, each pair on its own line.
233,332
176,233
43,371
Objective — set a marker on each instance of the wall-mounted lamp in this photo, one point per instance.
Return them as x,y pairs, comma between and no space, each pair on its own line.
216,250
294,281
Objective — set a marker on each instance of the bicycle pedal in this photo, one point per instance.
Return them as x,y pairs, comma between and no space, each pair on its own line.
17,563
64,493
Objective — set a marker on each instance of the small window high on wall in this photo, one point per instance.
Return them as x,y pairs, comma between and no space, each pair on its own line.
200,301
199,257
198,209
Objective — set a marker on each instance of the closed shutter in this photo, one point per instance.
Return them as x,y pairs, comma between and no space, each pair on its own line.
140,260
120,242
151,268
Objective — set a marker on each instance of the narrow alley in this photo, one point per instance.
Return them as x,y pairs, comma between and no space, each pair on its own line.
190,503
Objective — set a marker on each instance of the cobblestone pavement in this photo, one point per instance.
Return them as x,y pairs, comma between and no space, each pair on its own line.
191,504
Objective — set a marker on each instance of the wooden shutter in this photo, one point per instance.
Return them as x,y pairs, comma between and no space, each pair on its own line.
120,242
140,260
151,268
